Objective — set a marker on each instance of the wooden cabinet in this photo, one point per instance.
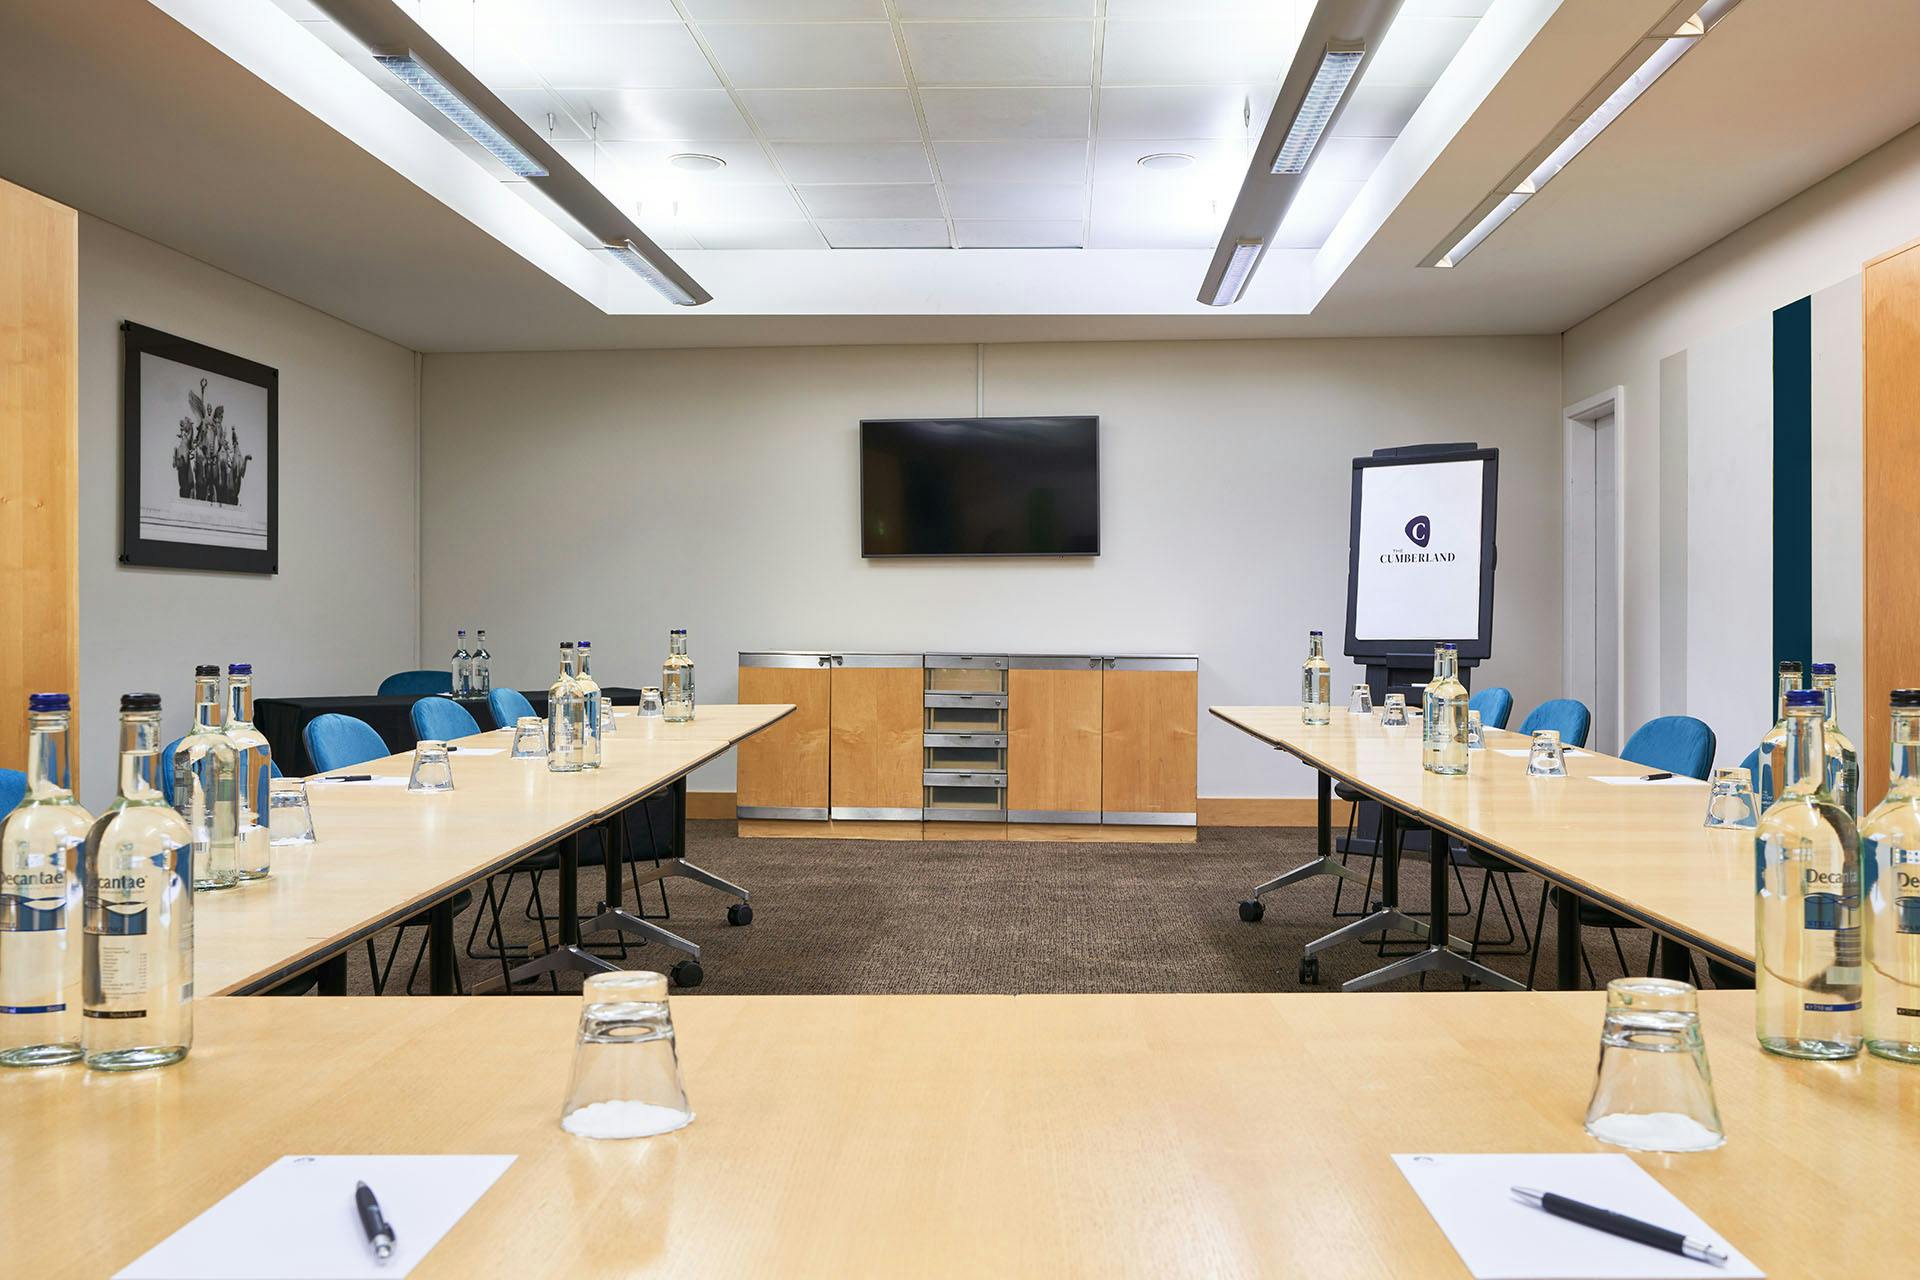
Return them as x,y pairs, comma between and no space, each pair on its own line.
1053,740
875,762
1149,732
783,768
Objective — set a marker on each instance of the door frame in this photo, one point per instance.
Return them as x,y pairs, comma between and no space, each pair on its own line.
1577,419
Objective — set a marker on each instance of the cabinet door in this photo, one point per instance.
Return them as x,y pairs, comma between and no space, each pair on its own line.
783,768
1053,741
878,705
1149,729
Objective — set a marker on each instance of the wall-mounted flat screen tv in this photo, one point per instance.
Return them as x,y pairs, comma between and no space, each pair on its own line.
980,487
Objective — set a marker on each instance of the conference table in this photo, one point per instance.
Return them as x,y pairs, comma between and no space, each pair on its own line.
998,1135
1633,847
385,854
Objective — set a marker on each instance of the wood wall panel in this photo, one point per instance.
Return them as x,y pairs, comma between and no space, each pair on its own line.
1891,504
785,764
39,458
1053,741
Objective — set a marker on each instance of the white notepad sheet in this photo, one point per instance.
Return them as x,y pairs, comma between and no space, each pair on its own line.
1524,752
399,780
478,751
296,1219
1632,780
1471,1199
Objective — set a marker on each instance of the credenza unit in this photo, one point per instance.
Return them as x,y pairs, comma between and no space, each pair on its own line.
972,746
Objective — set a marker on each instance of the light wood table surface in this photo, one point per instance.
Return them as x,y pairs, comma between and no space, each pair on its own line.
1637,850
1102,1135
384,853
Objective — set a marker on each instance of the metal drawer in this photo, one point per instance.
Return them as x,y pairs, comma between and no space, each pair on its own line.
964,815
965,759
983,701
785,659
965,740
955,778
990,662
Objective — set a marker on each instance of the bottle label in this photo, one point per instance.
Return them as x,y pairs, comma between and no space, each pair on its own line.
33,900
118,964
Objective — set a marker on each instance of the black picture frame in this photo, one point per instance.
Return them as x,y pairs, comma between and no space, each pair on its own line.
217,504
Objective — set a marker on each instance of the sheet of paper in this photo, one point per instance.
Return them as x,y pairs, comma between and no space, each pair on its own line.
1524,752
1632,780
1471,1199
478,751
296,1220
396,781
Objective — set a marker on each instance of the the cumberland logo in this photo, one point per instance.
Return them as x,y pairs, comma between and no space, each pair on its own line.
1420,529
1420,533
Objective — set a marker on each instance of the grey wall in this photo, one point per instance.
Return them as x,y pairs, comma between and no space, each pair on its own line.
611,495
342,611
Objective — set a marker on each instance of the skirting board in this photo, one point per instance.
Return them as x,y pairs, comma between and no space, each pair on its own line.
1215,811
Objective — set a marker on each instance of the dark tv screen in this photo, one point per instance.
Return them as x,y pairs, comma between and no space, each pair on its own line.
980,487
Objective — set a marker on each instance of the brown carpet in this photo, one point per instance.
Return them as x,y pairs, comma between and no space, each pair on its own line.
852,916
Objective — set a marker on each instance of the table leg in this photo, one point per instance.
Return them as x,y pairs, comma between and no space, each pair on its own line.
440,961
1567,941
569,956
1438,957
613,916
1323,863
333,975
1323,812
1676,961
680,818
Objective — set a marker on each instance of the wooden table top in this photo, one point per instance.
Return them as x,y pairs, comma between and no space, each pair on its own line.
1639,850
1076,1135
384,853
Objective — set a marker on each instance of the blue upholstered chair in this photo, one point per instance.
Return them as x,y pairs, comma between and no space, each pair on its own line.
340,742
401,683
1495,706
441,720
1567,715
507,706
13,789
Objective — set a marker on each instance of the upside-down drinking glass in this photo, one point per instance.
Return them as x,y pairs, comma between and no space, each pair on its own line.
1476,732
289,816
1360,701
1546,758
1653,1090
529,739
1394,710
626,1071
432,767
651,706
1731,802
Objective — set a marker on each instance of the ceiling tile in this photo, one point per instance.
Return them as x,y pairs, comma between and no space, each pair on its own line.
1350,159
1031,234
627,114
830,115
535,105
1417,50
1016,200
1314,212
650,161
1295,11
1443,9
1137,215
787,10
921,10
852,200
1000,53
730,201
758,235
1007,113
885,233
612,55
1185,111
805,55
1057,162
569,10
807,162
1198,52
1215,160
1378,110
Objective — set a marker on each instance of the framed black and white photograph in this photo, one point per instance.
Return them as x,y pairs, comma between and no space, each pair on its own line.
200,487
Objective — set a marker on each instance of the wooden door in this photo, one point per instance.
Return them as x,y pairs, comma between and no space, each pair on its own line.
878,702
1149,731
1891,440
783,768
1053,741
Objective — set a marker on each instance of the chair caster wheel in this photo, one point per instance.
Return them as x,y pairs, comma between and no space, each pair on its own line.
739,913
687,973
1309,971
1252,909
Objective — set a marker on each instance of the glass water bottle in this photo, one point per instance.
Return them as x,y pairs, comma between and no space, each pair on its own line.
1843,762
462,670
253,770
1443,742
1890,853
595,707
1807,909
676,678
480,666
1316,682
40,933
566,718
137,980
206,788
1771,764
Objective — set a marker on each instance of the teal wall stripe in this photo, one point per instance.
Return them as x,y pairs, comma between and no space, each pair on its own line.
1792,483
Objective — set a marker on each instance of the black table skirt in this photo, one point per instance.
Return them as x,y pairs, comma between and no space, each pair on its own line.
283,721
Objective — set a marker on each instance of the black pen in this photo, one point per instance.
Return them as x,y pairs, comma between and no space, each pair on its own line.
1656,777
1619,1224
352,777
373,1222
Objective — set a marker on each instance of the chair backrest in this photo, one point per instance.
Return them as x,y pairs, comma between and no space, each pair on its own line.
403,683
1495,706
440,719
508,705
1568,715
13,789
1675,744
1752,765
340,742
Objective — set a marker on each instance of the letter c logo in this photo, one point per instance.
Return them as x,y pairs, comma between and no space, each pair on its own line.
1420,529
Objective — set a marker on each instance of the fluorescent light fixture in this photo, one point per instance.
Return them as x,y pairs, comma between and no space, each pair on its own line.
1482,229
629,256
419,77
1337,66
1239,267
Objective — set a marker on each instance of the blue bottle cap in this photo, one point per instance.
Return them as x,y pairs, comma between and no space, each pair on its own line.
48,702
586,644
239,668
1806,698
1823,668
1313,633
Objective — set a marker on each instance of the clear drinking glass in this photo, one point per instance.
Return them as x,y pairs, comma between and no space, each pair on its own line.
626,1072
1394,710
607,715
651,706
1731,802
529,738
1546,758
1360,701
289,816
1476,732
432,767
1653,1090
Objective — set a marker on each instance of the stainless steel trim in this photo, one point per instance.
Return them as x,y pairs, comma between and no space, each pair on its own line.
1150,819
783,659
876,660
1052,661
982,701
984,740
965,815
949,661
778,811
962,778
841,813
1121,663
1080,817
